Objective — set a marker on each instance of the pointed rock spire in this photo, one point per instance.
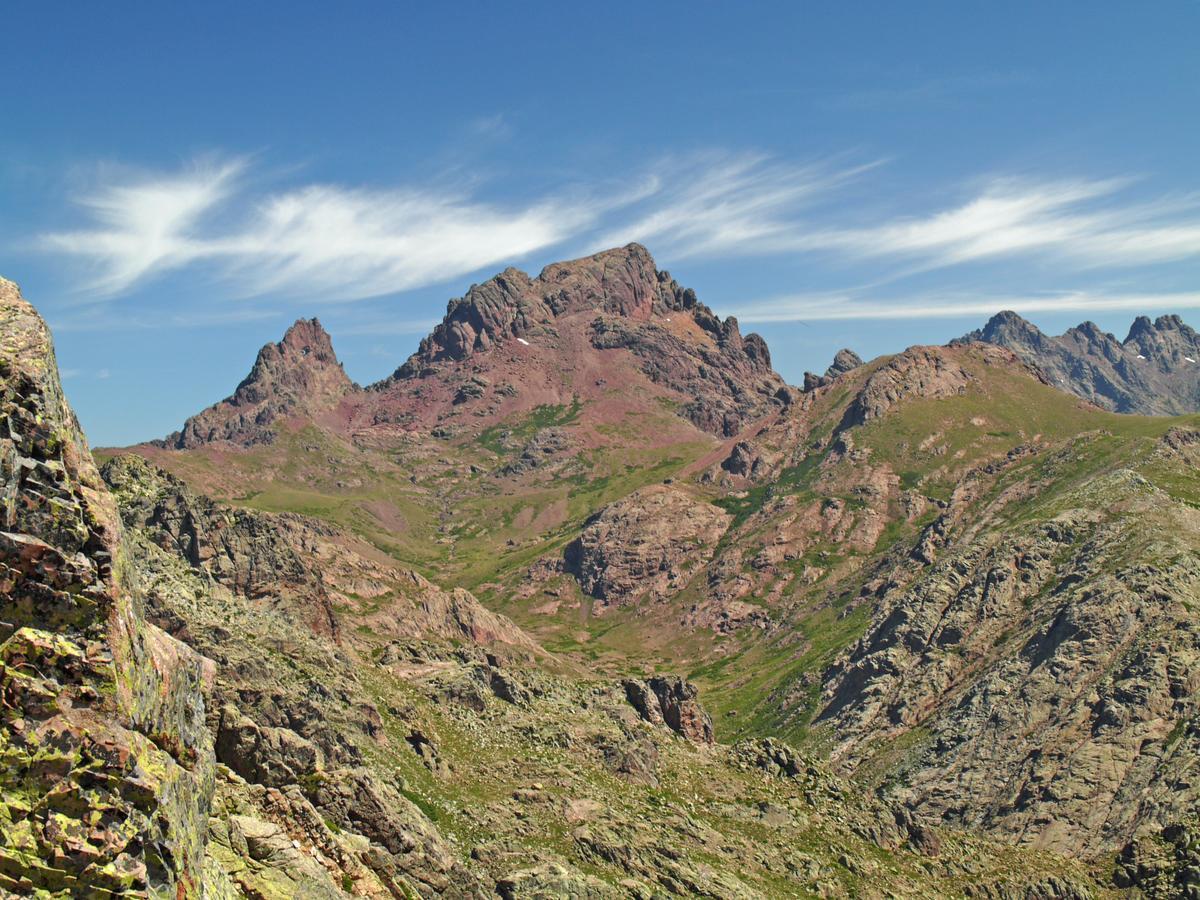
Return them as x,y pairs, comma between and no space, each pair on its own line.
300,375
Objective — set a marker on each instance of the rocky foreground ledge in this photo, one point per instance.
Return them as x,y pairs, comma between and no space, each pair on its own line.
106,767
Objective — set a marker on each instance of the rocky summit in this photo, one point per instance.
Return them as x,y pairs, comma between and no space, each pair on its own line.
1154,371
584,601
299,376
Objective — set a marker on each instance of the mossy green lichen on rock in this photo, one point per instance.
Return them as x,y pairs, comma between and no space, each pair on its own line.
106,773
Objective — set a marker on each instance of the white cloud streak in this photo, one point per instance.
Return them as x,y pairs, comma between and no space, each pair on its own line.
340,243
1064,219
725,205
843,307
147,225
324,240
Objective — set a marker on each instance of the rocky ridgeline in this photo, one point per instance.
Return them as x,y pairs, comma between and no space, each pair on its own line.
1017,662
299,376
628,303
106,768
615,302
1154,371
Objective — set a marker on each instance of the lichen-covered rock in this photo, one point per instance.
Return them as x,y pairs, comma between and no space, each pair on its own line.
106,767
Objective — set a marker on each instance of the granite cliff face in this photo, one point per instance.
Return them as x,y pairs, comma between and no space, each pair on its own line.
106,768
1154,371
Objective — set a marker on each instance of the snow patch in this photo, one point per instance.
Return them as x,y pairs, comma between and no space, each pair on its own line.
523,341
1189,359
1140,356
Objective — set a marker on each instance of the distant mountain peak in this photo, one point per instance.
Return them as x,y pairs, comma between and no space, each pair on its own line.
621,281
299,375
578,331
1006,324
568,318
1150,372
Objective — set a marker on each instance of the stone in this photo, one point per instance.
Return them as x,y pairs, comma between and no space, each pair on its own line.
669,700
645,546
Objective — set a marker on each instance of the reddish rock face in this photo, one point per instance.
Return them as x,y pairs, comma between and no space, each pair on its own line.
671,701
618,282
300,375
576,314
581,330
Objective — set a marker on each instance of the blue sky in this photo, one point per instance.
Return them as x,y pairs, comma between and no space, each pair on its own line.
178,182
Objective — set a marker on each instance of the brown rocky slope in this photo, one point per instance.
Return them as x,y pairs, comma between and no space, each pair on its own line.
392,764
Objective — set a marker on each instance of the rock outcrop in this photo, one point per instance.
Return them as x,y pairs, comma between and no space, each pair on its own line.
299,376
301,566
646,546
106,768
844,361
671,701
1154,371
918,373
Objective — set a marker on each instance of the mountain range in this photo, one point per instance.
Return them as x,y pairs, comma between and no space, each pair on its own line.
584,600
1154,371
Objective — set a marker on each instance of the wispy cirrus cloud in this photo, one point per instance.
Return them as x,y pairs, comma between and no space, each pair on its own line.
753,206
849,307
334,242
326,240
1081,223
146,224
728,205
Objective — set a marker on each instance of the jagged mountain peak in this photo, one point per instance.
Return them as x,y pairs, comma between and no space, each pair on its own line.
1164,332
1006,325
580,330
307,338
1091,332
1153,371
622,281
299,375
